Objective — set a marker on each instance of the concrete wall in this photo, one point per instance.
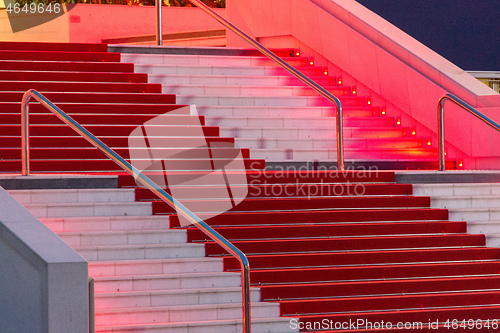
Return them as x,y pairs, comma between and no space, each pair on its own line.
43,282
399,73
86,23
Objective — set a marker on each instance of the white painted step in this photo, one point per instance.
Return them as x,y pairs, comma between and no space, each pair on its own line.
221,69
106,223
307,133
466,201
189,313
315,143
73,196
167,281
330,154
127,237
260,325
89,209
243,80
141,251
278,111
206,60
247,90
457,189
155,266
175,297
294,101
302,122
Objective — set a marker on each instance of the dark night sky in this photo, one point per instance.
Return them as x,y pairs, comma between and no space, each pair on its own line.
466,32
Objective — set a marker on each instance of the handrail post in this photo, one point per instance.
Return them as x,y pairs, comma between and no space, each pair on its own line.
159,29
148,183
264,50
440,119
25,135
467,107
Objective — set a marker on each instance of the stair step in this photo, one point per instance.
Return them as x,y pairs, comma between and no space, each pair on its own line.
42,210
45,46
180,297
138,315
155,266
388,133
9,75
218,326
58,55
220,69
298,122
242,80
167,282
141,251
247,90
278,111
106,223
208,60
92,97
282,101
57,86
319,143
66,66
73,195
89,238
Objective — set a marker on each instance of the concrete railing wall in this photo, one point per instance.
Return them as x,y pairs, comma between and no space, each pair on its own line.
43,281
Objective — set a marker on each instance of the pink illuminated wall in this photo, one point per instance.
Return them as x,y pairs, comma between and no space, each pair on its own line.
399,72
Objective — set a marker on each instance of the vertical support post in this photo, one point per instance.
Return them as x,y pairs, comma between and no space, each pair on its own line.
91,305
25,145
340,138
159,32
440,119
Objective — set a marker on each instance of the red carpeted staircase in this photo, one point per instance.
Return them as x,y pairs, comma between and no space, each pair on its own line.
325,245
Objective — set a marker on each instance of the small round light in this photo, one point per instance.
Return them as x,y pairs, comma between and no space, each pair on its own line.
297,53
325,72
428,142
398,121
460,164
339,81
369,102
445,153
311,62
413,132
383,112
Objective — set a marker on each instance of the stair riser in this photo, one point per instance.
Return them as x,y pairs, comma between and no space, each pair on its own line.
156,237
85,224
141,252
284,204
80,87
293,101
242,90
298,122
184,315
377,287
59,56
92,97
88,209
206,60
366,304
327,216
61,66
306,133
154,267
179,298
73,76
373,272
372,243
73,196
186,281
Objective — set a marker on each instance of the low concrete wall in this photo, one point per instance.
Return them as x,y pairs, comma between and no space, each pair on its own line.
43,282
86,23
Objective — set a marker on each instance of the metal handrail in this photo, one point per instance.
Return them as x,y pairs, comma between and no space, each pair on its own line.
323,92
130,169
465,106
